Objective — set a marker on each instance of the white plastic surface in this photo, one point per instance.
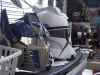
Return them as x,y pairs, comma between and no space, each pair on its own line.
57,45
8,60
55,17
80,67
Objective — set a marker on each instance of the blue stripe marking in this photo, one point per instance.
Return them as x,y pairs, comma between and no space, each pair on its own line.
35,57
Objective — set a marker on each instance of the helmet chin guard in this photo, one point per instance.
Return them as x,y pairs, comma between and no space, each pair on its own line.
59,43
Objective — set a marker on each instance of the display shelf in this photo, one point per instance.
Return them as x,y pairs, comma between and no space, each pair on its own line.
80,68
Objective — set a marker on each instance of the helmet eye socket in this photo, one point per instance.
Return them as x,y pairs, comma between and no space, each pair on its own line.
60,32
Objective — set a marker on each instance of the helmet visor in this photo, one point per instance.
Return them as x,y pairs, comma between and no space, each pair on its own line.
61,32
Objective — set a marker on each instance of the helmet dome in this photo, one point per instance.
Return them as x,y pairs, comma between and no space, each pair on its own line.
52,17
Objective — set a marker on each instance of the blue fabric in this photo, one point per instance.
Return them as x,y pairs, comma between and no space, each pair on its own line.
96,20
4,21
35,57
37,24
5,28
24,28
3,42
46,33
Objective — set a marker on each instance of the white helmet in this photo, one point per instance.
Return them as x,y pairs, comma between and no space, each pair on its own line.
57,25
52,16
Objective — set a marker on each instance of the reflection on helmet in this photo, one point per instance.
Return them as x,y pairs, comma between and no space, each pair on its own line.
55,22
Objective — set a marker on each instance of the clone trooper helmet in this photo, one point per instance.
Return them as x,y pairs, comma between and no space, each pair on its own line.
57,25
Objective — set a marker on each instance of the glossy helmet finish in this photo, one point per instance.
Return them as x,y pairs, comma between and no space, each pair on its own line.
57,24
